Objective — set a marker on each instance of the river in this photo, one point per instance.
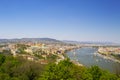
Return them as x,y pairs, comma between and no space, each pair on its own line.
86,57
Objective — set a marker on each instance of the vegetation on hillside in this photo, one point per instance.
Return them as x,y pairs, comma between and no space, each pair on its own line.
17,68
66,70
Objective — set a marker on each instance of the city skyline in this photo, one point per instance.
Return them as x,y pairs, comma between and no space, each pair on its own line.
79,20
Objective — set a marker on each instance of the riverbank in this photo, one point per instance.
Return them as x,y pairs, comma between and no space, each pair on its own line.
64,56
111,53
76,63
107,57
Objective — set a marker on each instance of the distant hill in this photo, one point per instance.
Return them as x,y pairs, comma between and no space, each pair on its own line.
45,40
90,42
40,39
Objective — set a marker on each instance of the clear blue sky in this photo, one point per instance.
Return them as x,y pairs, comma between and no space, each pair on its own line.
81,20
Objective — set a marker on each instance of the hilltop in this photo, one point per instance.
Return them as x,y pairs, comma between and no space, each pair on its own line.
43,40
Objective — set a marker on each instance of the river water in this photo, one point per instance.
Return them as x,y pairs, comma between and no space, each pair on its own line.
86,57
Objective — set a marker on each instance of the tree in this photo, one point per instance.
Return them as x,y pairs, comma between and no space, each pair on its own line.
2,59
65,70
99,74
4,76
96,72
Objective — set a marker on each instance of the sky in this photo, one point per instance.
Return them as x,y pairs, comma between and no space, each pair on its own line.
80,20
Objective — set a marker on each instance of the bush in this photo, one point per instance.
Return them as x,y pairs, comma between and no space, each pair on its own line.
2,59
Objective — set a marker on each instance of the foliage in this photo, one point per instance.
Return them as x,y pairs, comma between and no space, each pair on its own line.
99,74
66,70
21,48
38,56
2,59
96,72
52,58
6,52
17,68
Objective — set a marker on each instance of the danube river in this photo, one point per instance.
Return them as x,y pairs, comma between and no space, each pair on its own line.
86,57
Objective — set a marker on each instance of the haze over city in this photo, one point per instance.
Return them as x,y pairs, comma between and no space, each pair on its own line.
80,20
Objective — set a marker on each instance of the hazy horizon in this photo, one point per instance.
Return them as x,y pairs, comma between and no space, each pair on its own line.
63,40
78,20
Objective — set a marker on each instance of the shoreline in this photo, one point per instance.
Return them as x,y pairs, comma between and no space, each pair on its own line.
107,57
76,63
73,61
